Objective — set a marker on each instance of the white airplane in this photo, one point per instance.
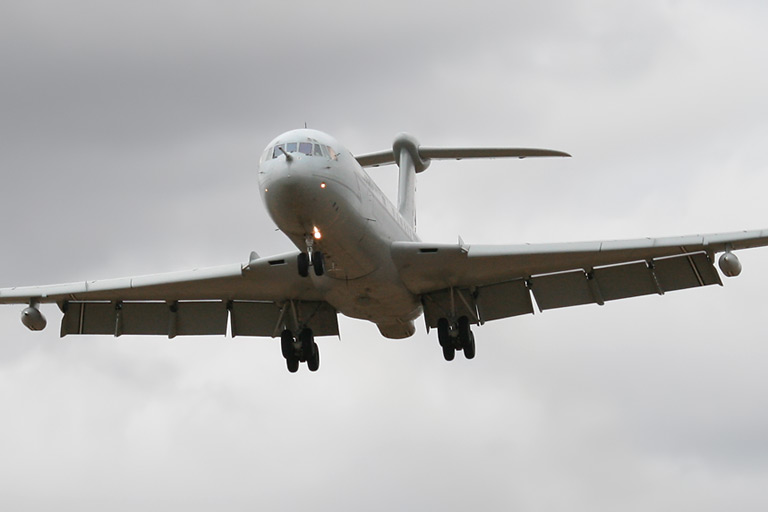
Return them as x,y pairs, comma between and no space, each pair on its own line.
359,255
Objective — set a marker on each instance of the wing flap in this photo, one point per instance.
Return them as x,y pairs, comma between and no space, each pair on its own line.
145,318
624,281
448,303
197,318
256,319
251,318
562,290
685,272
503,300
616,282
571,288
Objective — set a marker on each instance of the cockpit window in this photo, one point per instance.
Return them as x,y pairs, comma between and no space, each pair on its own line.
306,148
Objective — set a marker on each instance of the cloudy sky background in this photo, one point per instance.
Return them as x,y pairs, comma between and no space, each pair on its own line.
129,136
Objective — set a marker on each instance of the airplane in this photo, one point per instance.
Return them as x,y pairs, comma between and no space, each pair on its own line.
359,255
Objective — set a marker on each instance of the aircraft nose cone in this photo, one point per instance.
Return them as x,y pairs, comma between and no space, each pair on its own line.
291,196
288,189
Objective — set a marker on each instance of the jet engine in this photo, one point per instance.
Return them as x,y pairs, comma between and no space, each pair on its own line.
729,264
33,319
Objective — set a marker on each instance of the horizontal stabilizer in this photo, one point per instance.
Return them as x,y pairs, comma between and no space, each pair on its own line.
388,157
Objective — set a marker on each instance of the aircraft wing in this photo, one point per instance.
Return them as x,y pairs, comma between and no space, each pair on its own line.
487,282
256,299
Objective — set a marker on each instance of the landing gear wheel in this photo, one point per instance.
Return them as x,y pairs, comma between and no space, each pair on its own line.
469,348
286,343
442,332
303,263
313,362
449,353
307,340
293,364
318,262
464,331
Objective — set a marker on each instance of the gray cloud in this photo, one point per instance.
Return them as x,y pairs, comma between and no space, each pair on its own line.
129,137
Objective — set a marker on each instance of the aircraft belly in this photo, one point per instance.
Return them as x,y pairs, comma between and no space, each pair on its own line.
379,297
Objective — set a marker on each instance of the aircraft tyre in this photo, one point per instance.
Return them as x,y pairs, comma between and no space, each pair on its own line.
303,263
313,362
318,262
449,353
442,332
293,364
469,348
308,345
464,331
286,343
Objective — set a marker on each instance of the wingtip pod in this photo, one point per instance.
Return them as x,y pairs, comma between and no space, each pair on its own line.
33,319
729,264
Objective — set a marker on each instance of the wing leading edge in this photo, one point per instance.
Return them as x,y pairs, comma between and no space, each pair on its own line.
487,282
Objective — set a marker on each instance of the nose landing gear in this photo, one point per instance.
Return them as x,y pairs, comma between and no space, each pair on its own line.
456,336
312,258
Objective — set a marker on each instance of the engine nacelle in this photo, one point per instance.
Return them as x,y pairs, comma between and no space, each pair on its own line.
33,319
729,264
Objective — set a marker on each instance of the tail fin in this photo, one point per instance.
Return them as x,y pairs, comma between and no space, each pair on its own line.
405,150
411,158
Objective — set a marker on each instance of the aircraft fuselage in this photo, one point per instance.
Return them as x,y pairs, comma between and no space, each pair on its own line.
320,197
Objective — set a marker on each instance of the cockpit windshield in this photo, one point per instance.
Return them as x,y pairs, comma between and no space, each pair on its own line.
307,148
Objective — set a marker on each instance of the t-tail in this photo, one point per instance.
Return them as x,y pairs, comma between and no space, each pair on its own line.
412,159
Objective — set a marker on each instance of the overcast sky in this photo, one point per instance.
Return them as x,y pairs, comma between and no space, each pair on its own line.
129,138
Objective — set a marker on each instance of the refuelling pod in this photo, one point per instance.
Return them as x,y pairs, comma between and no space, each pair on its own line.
729,264
33,319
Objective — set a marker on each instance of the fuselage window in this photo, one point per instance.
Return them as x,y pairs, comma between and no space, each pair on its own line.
291,147
318,150
306,148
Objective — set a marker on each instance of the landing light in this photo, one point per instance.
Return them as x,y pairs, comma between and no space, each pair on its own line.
323,185
316,233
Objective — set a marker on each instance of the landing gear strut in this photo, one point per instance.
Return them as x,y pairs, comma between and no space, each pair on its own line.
301,349
456,336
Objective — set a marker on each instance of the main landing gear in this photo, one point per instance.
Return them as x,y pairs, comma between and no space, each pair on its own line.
315,259
456,336
301,349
